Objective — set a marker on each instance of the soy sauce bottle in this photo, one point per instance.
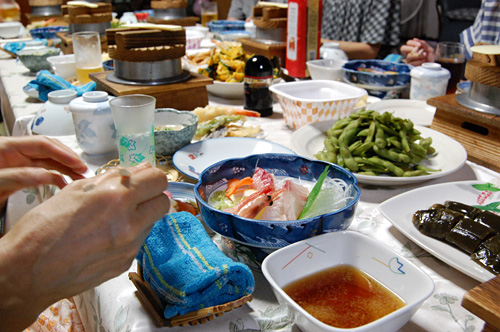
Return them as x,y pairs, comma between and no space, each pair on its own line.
258,78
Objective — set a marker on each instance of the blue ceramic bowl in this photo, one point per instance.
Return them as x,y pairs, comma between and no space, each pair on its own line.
48,32
167,142
264,235
108,65
377,74
224,25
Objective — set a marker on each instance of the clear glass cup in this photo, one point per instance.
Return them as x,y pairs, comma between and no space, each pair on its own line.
133,116
208,12
88,56
451,56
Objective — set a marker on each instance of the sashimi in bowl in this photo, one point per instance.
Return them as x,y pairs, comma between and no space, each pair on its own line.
270,196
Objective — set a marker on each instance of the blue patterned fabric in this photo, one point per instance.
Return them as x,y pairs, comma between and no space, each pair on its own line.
486,27
46,82
186,269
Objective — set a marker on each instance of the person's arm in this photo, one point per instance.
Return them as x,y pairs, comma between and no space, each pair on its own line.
86,234
236,10
357,50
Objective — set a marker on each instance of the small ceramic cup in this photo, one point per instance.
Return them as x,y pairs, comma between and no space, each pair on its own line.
94,126
428,81
54,117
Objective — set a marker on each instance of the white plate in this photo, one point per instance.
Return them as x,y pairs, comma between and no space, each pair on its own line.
450,155
227,90
416,110
192,159
400,209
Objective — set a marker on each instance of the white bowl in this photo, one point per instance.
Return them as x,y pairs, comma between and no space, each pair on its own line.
313,101
227,90
326,69
11,29
307,257
63,65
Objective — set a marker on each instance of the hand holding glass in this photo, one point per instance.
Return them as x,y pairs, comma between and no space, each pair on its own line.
88,57
134,121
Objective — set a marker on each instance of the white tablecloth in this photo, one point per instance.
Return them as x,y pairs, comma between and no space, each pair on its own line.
113,306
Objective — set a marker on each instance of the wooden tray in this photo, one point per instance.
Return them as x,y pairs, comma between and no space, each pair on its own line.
155,308
478,132
182,96
483,301
251,46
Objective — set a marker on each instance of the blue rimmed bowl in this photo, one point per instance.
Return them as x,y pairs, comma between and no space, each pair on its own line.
377,73
251,240
167,140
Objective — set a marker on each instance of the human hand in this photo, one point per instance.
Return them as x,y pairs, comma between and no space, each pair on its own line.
40,151
16,178
417,51
87,233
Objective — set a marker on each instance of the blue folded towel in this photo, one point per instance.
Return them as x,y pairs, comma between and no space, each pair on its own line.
186,269
46,82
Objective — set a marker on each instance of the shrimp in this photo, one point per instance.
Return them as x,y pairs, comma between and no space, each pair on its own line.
209,112
251,206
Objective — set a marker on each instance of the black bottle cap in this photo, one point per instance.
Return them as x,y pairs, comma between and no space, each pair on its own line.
259,66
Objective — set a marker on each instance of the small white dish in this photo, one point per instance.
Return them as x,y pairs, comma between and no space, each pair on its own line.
416,110
63,65
315,254
400,209
192,159
326,69
449,157
227,90
11,29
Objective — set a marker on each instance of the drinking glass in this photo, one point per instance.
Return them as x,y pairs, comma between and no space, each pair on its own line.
451,55
88,57
133,116
208,12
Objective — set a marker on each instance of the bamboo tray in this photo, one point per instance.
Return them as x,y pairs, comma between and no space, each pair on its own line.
155,308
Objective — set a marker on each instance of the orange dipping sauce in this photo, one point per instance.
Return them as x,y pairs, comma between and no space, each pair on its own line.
343,296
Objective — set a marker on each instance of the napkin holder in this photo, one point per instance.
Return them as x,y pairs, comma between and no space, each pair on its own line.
155,308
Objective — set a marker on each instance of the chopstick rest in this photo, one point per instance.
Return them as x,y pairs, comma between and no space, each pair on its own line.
185,268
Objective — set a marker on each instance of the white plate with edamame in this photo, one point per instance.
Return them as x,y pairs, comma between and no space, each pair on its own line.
449,157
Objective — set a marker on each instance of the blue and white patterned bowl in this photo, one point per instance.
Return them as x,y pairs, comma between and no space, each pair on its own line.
263,236
36,59
379,73
167,142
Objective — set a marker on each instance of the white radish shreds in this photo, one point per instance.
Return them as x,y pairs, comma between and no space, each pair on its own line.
334,195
